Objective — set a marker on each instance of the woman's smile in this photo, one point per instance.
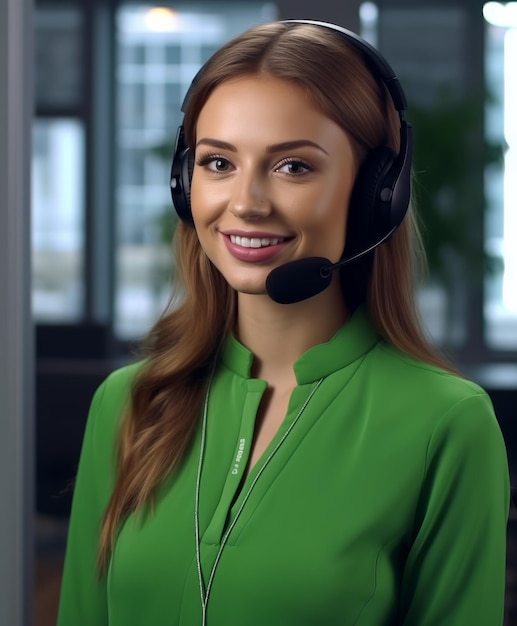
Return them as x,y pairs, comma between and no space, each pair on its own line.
254,246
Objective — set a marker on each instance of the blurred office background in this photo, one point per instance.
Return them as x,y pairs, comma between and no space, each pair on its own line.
109,79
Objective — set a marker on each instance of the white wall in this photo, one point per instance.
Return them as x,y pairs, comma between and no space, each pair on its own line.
16,370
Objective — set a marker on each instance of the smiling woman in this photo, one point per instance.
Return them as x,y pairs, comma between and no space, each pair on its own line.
297,460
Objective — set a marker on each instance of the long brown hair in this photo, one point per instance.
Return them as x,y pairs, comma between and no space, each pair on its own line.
184,344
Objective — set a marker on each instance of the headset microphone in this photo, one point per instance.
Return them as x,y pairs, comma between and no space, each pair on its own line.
304,278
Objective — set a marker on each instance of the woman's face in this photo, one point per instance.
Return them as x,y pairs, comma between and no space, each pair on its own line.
271,181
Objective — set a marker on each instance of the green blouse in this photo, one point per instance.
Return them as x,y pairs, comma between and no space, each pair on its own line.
382,500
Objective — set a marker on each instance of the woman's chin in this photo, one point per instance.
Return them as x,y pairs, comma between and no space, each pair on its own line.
248,285
249,288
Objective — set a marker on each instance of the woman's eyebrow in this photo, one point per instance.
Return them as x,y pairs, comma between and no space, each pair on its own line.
216,143
277,147
297,143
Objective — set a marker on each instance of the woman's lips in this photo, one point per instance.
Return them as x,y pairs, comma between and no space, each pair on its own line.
255,248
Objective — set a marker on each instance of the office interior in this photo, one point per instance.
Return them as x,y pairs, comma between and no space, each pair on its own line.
108,80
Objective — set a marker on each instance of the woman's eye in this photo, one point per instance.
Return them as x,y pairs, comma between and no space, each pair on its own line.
294,167
214,163
219,165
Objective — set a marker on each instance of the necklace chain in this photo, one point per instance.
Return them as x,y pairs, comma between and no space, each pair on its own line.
205,590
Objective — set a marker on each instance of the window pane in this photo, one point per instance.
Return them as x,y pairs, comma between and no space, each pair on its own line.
57,220
501,178
58,51
159,51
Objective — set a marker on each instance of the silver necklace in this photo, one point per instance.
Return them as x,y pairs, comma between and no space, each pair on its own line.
205,590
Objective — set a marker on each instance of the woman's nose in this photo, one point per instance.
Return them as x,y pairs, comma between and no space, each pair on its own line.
249,197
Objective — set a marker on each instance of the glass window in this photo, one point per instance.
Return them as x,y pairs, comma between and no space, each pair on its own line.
131,55
131,105
58,220
501,177
59,56
159,52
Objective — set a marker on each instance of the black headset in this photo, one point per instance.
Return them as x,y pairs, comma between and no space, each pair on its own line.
382,190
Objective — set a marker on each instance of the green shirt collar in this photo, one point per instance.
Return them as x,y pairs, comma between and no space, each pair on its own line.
351,342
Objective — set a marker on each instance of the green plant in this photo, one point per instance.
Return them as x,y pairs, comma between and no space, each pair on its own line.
450,155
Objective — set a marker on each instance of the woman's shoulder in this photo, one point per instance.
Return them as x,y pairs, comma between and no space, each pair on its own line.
415,373
438,396
119,381
111,398
447,406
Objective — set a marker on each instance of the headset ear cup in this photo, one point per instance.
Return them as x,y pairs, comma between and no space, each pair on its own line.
368,213
190,172
181,175
187,169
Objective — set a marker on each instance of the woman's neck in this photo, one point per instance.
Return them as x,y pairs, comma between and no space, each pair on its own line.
279,334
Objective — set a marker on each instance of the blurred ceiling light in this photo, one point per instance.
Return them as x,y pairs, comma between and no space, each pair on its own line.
500,14
161,19
368,12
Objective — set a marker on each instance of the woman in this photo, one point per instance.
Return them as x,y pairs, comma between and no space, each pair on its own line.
307,459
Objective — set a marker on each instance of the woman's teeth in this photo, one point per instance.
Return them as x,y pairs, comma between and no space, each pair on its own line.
255,242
